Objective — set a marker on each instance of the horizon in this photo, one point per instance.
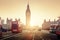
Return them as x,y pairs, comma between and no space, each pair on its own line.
40,10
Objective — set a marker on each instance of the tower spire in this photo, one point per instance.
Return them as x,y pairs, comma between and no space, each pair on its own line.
28,5
28,2
28,14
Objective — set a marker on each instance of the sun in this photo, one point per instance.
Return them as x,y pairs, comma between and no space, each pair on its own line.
35,22
32,23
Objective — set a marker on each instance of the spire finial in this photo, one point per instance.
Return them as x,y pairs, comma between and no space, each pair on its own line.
28,9
28,2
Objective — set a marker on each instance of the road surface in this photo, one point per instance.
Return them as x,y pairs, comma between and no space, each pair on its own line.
32,35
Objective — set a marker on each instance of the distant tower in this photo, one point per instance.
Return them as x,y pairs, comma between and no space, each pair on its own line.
44,20
58,19
28,14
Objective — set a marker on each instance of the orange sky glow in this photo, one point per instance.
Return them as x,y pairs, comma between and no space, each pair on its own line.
40,10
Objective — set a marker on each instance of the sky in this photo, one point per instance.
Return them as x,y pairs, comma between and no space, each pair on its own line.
40,10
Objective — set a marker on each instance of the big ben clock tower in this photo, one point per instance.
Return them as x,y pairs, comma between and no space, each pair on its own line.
28,15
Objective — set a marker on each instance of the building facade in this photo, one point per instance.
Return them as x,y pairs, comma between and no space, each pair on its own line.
49,24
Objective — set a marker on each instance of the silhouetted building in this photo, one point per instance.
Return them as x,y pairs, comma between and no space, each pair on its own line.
49,24
1,21
28,14
8,23
46,25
